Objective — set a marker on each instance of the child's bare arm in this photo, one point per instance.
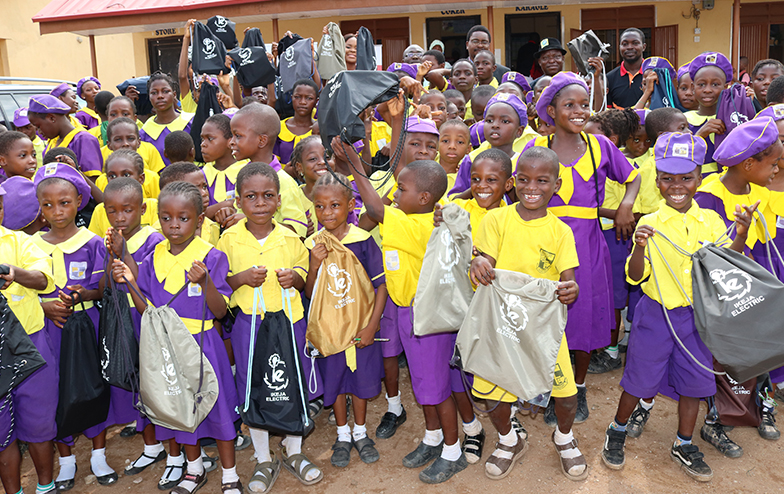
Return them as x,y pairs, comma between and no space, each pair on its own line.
624,217
29,279
743,218
317,255
482,269
215,301
182,69
567,288
122,274
373,205
367,333
637,259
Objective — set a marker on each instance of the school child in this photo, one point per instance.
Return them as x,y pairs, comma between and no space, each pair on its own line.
750,153
49,116
763,73
478,102
122,134
304,98
255,129
685,88
775,94
512,88
456,98
185,171
654,356
124,107
123,163
23,125
308,161
221,170
513,238
76,255
437,103
517,80
184,256
256,247
453,145
333,198
24,416
178,146
87,88
160,88
463,79
102,100
586,162
66,95
17,155
22,210
485,66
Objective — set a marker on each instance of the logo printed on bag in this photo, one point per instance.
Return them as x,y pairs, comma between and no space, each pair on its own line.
169,374
105,359
448,257
220,24
334,87
77,270
289,56
326,46
245,57
734,283
514,316
341,281
666,102
738,118
208,49
546,260
276,378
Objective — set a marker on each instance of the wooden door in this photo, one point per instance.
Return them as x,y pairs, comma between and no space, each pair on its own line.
754,42
665,43
392,50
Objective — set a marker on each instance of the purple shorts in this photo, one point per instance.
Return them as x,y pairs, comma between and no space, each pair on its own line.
619,251
389,329
654,359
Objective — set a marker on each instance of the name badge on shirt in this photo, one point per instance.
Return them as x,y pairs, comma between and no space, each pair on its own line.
17,298
392,260
194,290
77,270
230,195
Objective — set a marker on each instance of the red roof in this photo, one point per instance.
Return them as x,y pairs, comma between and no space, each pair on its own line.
61,10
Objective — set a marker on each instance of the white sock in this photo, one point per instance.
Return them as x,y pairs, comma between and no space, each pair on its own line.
175,460
67,468
646,406
612,351
563,439
360,432
260,440
451,452
98,463
580,385
195,467
433,438
394,404
344,433
43,489
560,438
293,445
230,475
780,385
509,439
472,428
151,452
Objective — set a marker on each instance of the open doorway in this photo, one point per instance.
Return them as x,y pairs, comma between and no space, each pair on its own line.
523,34
165,54
452,31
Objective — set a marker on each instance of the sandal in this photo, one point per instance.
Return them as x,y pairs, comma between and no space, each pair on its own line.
367,450
315,408
473,445
199,480
567,463
266,473
504,458
341,453
168,479
134,470
294,462
230,486
210,462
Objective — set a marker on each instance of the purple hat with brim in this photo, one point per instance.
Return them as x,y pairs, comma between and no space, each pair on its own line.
81,83
20,204
776,112
477,134
512,100
642,114
45,103
60,89
707,59
66,172
679,153
658,63
682,71
558,82
20,117
518,79
408,68
424,125
746,140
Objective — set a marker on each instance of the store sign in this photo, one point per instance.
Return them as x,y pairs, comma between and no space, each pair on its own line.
531,8
166,32
452,12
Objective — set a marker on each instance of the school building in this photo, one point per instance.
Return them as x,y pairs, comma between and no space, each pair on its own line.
114,40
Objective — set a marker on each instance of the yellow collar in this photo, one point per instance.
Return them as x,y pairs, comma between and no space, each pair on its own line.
153,129
58,251
245,237
90,112
53,143
139,238
218,177
715,187
353,236
666,212
584,165
173,268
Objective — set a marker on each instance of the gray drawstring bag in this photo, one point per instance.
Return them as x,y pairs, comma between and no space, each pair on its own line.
512,333
178,386
331,52
366,51
296,63
443,281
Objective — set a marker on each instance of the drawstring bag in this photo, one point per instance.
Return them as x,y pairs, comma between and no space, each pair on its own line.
346,296
512,333
331,52
177,385
734,108
224,30
366,50
83,399
296,62
143,105
275,398
253,38
252,66
117,345
208,106
18,355
582,48
443,281
736,403
208,53
664,93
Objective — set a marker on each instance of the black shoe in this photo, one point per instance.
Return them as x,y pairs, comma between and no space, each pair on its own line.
581,415
367,450
473,446
422,455
129,431
549,414
132,470
108,479
612,454
637,421
714,435
389,424
442,470
602,362
767,428
66,485
341,453
691,461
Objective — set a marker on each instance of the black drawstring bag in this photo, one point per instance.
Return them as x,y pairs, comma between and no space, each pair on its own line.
84,395
143,105
208,55
585,46
252,66
117,345
224,30
345,96
665,94
366,50
252,38
18,355
208,106
275,396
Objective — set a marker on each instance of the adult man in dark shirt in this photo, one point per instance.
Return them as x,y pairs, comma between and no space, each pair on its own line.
624,82
478,39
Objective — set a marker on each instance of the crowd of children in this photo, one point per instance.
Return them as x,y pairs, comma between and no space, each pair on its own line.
554,190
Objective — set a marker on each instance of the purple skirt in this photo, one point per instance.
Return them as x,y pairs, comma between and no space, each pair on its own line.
364,382
619,251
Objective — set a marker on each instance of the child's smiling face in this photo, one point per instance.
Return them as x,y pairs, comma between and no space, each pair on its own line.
536,182
678,189
20,159
489,183
313,165
571,109
708,85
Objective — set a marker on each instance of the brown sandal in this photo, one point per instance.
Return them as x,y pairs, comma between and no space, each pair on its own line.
228,486
568,463
199,480
505,457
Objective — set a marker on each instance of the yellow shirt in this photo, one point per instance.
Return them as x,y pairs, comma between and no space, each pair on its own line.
100,222
282,249
291,211
150,155
380,136
151,185
40,148
649,197
403,242
697,120
686,230
16,249
310,210
476,213
189,105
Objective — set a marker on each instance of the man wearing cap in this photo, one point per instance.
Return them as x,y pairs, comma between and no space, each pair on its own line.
624,82
23,125
550,56
478,39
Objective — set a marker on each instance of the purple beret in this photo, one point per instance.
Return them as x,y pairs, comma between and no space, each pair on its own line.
512,100
558,82
229,112
706,60
60,89
477,134
81,83
20,117
21,204
2,191
658,63
678,153
776,112
642,114
746,140
65,172
518,79
416,124
45,103
408,68
682,71
529,97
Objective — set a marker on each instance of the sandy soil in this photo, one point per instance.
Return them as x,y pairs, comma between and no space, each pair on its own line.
648,465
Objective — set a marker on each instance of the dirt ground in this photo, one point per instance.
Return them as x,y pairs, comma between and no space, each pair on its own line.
648,465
